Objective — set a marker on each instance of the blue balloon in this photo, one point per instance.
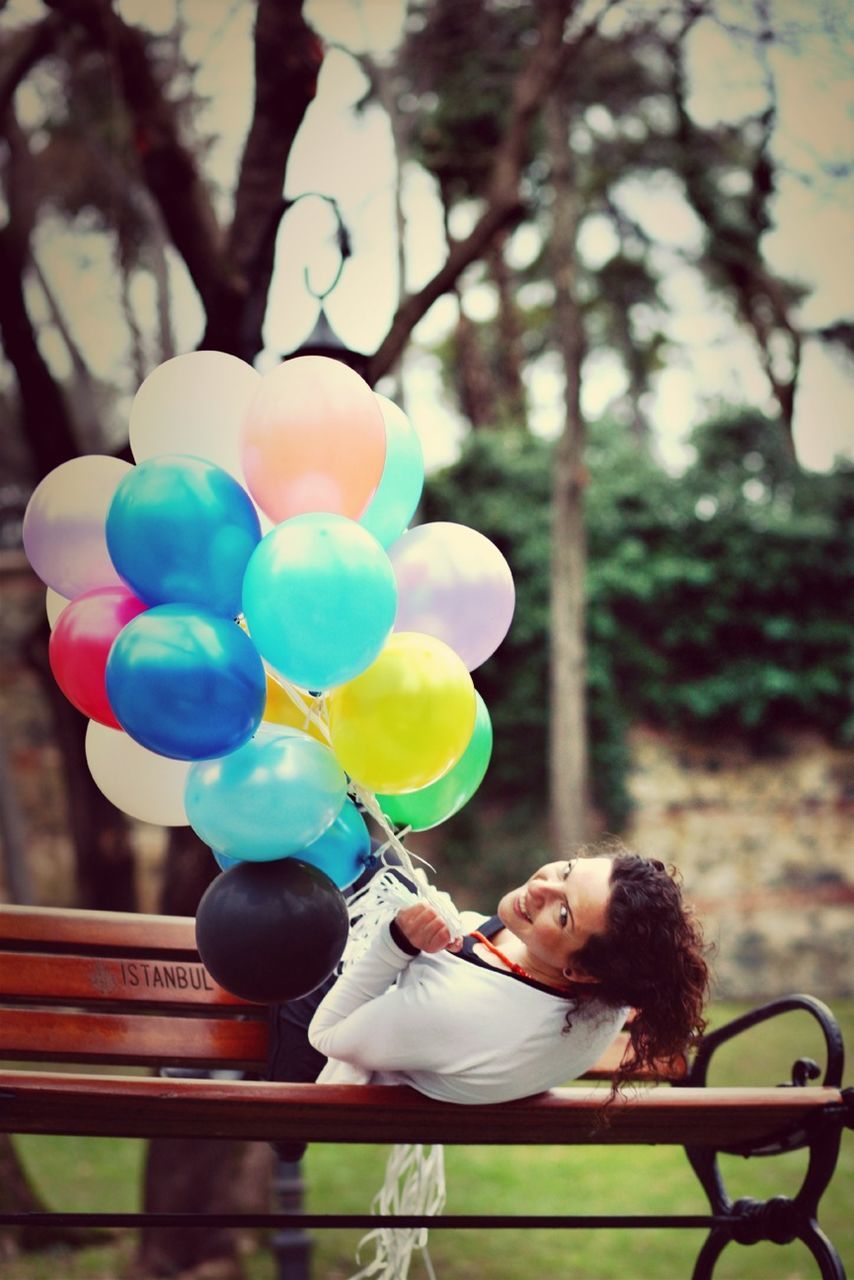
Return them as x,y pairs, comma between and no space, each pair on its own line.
185,683
271,798
181,530
320,598
396,497
343,849
223,862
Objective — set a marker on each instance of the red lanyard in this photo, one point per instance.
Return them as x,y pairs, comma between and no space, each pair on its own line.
515,968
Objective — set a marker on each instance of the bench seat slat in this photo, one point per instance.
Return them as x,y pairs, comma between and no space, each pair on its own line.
31,1035
63,979
119,1106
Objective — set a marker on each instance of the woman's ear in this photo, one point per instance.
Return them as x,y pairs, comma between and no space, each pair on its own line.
573,973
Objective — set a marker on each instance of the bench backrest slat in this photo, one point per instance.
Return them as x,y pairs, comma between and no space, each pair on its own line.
30,1035
56,979
66,929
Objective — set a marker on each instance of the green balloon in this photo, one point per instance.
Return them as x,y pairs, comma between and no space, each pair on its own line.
439,801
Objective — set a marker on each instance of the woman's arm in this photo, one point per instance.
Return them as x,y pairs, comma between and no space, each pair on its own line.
365,1020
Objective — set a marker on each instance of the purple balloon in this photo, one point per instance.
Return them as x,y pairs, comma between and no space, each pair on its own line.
64,524
454,584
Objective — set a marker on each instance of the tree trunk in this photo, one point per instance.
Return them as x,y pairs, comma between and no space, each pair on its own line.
13,836
102,849
568,658
45,422
104,855
18,1195
473,376
508,371
182,1173
190,867
200,1177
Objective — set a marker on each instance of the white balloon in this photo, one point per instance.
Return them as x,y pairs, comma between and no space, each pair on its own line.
54,604
194,404
137,781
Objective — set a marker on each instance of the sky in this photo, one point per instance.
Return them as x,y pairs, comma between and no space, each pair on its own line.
351,158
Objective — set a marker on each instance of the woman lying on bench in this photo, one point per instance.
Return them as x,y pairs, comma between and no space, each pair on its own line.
528,999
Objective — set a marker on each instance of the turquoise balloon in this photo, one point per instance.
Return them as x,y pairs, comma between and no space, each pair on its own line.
319,598
397,494
431,805
341,852
270,799
185,683
343,849
181,530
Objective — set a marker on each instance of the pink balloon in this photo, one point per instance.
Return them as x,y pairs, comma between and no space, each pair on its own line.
80,644
313,440
454,584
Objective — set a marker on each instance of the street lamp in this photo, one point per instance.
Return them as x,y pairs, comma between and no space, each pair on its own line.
323,339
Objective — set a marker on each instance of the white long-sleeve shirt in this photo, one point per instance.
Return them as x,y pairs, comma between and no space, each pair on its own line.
453,1030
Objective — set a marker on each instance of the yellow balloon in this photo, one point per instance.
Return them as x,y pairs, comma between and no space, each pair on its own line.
280,708
407,719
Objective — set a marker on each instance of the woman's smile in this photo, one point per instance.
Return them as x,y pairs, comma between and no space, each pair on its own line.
554,913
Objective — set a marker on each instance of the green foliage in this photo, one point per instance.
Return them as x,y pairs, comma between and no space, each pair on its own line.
460,56
716,599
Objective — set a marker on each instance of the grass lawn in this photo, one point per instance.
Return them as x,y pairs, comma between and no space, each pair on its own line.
79,1173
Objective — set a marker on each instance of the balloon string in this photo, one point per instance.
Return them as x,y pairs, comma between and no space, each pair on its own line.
440,902
367,799
317,716
311,715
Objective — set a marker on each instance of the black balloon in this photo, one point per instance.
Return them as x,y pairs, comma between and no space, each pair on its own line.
271,931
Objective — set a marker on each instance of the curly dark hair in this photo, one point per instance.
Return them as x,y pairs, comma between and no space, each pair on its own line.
651,958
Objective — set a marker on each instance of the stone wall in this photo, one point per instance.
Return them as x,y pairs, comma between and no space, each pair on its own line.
765,846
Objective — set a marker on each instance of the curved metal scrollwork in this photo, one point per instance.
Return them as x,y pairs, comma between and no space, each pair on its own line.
780,1219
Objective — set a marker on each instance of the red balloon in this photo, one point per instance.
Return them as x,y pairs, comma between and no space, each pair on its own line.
80,644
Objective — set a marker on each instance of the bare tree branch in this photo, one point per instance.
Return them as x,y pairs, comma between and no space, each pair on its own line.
21,51
502,200
167,165
288,56
45,418
759,297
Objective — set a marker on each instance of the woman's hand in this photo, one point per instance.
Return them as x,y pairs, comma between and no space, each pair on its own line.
425,929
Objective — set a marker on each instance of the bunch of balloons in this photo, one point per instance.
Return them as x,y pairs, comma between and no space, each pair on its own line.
263,647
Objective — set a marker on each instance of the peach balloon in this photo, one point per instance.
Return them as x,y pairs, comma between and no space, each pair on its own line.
313,439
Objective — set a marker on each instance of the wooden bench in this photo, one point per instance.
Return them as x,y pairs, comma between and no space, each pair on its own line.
100,988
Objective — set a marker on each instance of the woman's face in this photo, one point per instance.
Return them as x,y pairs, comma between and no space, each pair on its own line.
557,910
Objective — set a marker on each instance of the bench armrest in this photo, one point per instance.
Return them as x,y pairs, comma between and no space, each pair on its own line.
803,1069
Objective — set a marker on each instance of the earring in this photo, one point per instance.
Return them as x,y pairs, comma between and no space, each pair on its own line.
582,977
